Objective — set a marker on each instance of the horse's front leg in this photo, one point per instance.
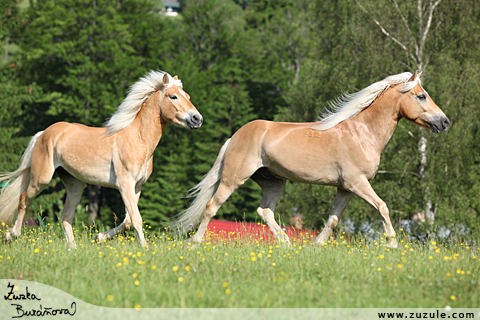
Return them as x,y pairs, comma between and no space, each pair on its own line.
130,198
364,190
339,204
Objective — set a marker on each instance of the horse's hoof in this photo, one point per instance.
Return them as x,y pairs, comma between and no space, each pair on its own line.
72,245
100,237
189,243
8,237
392,244
320,242
286,244
189,240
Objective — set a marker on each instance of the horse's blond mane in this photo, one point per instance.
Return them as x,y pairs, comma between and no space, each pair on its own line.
139,92
348,106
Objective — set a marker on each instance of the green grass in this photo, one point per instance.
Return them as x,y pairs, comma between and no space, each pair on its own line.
244,273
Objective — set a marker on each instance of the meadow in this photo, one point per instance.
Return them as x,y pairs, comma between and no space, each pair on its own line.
230,271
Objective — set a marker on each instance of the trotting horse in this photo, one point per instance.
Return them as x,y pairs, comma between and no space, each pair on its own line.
341,150
120,155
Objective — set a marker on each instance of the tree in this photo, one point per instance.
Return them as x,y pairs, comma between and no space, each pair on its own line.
13,95
416,58
280,39
83,55
213,39
424,32
242,60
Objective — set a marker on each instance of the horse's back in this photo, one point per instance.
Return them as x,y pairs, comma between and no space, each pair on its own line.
85,152
258,129
76,139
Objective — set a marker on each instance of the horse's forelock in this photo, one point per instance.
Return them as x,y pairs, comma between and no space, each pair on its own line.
407,86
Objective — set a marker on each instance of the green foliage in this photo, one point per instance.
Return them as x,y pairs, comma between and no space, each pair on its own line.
81,54
280,60
210,65
162,193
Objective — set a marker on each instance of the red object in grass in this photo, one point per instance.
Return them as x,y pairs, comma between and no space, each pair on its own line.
222,229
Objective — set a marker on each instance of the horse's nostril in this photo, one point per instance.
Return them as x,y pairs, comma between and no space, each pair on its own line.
446,122
195,120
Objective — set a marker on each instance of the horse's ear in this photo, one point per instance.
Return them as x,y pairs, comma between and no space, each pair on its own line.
414,76
165,79
175,78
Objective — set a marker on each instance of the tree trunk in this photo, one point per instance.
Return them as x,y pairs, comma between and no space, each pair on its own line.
6,51
422,150
415,50
93,202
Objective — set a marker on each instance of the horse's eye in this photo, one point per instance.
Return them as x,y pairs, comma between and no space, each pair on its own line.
174,97
422,97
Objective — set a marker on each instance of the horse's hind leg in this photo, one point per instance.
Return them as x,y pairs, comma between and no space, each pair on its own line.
339,204
218,199
125,225
108,235
41,173
272,190
17,228
25,201
74,189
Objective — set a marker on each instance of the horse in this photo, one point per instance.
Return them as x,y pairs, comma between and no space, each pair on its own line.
341,150
118,155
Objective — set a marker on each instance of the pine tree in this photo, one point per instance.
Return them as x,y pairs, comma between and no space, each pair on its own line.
212,70
82,55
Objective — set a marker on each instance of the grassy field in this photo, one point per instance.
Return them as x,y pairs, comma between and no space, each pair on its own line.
246,273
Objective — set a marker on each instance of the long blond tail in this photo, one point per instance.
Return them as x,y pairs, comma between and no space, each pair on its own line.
202,192
10,195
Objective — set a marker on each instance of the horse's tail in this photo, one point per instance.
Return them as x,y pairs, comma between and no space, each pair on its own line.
10,194
202,193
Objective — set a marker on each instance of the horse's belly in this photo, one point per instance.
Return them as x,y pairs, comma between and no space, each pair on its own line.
311,174
93,173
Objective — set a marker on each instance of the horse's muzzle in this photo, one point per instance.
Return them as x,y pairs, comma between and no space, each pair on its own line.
194,120
439,124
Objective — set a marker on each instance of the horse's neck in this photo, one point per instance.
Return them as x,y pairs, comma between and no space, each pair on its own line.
381,118
147,128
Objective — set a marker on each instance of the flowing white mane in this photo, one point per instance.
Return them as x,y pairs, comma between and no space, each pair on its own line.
139,92
348,106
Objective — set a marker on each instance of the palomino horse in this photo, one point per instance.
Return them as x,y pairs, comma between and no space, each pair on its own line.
119,156
342,150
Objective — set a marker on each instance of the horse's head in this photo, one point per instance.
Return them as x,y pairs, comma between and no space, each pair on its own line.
176,106
417,106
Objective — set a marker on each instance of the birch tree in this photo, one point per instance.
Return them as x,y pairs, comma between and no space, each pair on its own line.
411,31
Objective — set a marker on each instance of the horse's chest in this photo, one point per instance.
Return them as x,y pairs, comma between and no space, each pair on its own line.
368,166
144,173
